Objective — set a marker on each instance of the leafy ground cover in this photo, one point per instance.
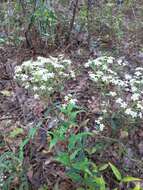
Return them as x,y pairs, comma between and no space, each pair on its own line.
71,107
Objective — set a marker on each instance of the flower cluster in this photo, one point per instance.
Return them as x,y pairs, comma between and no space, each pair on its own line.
2,179
44,75
69,99
121,88
99,125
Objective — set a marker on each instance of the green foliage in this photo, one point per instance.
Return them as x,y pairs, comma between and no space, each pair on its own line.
12,172
80,168
45,20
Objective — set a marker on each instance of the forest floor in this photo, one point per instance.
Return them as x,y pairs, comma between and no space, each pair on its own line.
18,109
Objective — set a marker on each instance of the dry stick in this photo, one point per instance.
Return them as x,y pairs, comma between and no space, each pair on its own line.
72,21
7,118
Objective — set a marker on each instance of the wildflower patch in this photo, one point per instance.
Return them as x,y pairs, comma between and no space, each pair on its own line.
121,89
44,75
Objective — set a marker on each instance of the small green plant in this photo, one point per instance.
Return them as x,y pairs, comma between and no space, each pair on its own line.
12,170
12,173
73,155
45,20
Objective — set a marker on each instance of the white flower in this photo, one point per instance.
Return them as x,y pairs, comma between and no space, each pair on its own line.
43,87
110,60
44,77
57,65
27,86
128,77
51,75
53,59
68,97
36,96
134,89
140,115
41,60
35,88
27,63
93,77
121,83
113,93
139,106
138,73
112,72
97,62
73,101
135,97
123,105
132,81
18,69
104,67
105,78
102,126
99,73
130,112
139,69
50,89
66,61
119,101
104,111
24,77
40,72
119,61
87,64
72,74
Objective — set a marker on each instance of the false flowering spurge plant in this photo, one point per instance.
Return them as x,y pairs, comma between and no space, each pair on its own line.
120,88
44,75
71,152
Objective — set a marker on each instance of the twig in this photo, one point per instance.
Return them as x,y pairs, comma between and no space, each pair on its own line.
72,20
5,118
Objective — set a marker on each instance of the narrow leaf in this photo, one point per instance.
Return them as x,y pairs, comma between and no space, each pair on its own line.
116,172
130,179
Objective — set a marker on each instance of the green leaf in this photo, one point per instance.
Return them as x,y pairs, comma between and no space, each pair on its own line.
63,158
130,179
81,165
100,182
74,175
74,138
32,131
53,142
17,131
116,172
103,167
73,155
137,187
21,152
